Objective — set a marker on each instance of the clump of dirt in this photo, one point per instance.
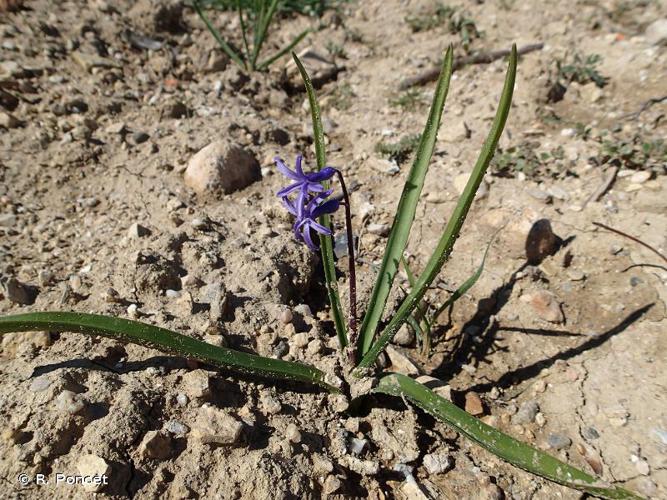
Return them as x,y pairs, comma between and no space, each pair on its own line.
103,106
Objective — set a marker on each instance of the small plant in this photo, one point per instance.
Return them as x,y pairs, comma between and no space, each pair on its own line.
580,69
335,50
636,153
456,21
259,13
309,198
525,158
409,99
342,97
399,151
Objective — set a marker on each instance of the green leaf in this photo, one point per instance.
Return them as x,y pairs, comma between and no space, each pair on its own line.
284,51
500,444
451,232
326,242
405,213
262,27
165,340
467,285
223,45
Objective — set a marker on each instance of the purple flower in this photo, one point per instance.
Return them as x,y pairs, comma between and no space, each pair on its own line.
310,182
312,210
307,207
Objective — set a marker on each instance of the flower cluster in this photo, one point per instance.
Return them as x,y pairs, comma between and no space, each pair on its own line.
310,201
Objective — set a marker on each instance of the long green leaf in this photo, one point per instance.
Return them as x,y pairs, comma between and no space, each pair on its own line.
451,232
165,340
500,444
283,51
326,243
405,213
223,45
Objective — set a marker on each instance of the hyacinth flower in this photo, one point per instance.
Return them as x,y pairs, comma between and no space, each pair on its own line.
310,182
310,204
307,213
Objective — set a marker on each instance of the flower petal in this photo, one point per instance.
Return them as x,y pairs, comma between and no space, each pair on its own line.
320,228
323,175
289,205
308,239
328,207
301,203
299,170
289,189
285,170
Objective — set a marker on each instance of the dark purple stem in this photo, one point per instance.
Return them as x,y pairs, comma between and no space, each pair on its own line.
350,255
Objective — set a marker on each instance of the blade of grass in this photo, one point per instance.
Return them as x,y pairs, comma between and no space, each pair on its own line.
500,444
467,285
223,45
326,243
285,50
405,213
165,340
263,26
451,232
243,30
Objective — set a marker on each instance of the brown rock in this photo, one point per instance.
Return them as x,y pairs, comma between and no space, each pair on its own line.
221,168
214,426
541,242
474,404
156,444
546,305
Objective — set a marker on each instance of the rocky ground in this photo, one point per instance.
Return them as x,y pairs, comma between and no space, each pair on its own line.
111,116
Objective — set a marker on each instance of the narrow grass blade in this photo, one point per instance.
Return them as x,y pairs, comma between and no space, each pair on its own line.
467,285
262,27
326,243
223,45
165,340
285,50
500,444
405,213
451,232
243,30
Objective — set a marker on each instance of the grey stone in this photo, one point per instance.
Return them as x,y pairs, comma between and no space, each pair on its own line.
404,337
558,441
527,412
436,463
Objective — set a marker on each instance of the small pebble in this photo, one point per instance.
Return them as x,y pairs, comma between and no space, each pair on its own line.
132,310
356,446
558,441
176,427
526,413
378,229
293,434
270,405
286,317
473,404
436,463
69,402
589,433
300,340
140,137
